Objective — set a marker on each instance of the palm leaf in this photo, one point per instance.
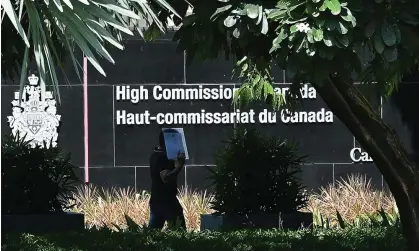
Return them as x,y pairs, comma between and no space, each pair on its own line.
82,24
11,14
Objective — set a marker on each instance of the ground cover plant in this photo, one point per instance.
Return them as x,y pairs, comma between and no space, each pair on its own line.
377,238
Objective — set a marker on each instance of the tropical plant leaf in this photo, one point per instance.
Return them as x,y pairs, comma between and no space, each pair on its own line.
333,6
11,14
85,24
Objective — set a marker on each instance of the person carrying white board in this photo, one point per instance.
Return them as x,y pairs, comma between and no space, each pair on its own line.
164,205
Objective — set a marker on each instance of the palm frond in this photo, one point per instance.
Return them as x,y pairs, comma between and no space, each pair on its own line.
54,28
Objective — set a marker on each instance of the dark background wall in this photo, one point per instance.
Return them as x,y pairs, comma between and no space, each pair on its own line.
119,153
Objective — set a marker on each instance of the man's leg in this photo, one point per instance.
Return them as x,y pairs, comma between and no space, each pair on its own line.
156,218
178,219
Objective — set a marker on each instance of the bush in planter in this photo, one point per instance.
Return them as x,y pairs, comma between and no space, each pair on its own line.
256,174
35,180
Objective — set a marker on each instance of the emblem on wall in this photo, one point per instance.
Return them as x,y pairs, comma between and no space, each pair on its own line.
35,118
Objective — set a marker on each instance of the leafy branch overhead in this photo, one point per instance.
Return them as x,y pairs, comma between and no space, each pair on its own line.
48,30
314,41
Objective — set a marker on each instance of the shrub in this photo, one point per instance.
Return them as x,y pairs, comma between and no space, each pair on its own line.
256,174
359,239
34,179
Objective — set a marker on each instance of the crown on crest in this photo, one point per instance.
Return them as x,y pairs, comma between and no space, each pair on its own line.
33,79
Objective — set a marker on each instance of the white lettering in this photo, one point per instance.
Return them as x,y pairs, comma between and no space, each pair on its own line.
134,95
310,117
305,91
357,155
124,118
267,117
193,93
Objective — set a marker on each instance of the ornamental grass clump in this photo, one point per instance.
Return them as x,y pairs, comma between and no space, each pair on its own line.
352,197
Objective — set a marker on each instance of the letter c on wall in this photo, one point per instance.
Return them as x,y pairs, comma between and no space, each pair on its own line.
352,154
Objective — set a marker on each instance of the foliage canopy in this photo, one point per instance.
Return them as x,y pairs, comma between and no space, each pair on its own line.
372,41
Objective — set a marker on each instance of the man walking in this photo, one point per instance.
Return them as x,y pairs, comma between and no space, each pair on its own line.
164,205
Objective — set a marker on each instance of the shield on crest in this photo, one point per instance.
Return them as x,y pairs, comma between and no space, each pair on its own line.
35,121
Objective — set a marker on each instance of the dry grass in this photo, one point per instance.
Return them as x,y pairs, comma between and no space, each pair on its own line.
351,197
109,207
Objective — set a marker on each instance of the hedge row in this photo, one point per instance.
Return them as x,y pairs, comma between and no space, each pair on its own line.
368,239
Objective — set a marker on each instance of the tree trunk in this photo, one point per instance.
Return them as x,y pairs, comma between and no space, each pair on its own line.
377,138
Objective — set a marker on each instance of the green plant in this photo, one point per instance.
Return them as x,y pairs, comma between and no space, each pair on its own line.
350,239
379,218
34,180
46,32
331,44
256,174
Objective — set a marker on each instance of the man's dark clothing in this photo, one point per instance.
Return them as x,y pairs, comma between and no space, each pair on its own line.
164,205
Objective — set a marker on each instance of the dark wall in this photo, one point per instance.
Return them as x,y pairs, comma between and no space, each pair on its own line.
118,154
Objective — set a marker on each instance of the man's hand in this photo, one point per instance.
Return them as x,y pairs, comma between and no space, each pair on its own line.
163,175
180,160
166,175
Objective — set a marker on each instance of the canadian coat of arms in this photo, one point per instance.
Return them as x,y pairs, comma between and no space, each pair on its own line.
35,118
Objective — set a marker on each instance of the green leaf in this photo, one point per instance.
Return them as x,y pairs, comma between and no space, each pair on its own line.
260,15
350,18
68,3
252,10
236,32
97,27
409,18
58,4
10,12
220,10
385,217
331,25
310,36
398,34
327,41
378,43
265,25
167,6
230,21
293,28
334,6
132,225
277,13
340,220
369,29
118,9
320,22
324,6
344,40
106,17
342,29
388,34
282,34
390,54
241,61
310,52
23,73
318,35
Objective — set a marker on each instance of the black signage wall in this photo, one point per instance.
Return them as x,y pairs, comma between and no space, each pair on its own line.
123,127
